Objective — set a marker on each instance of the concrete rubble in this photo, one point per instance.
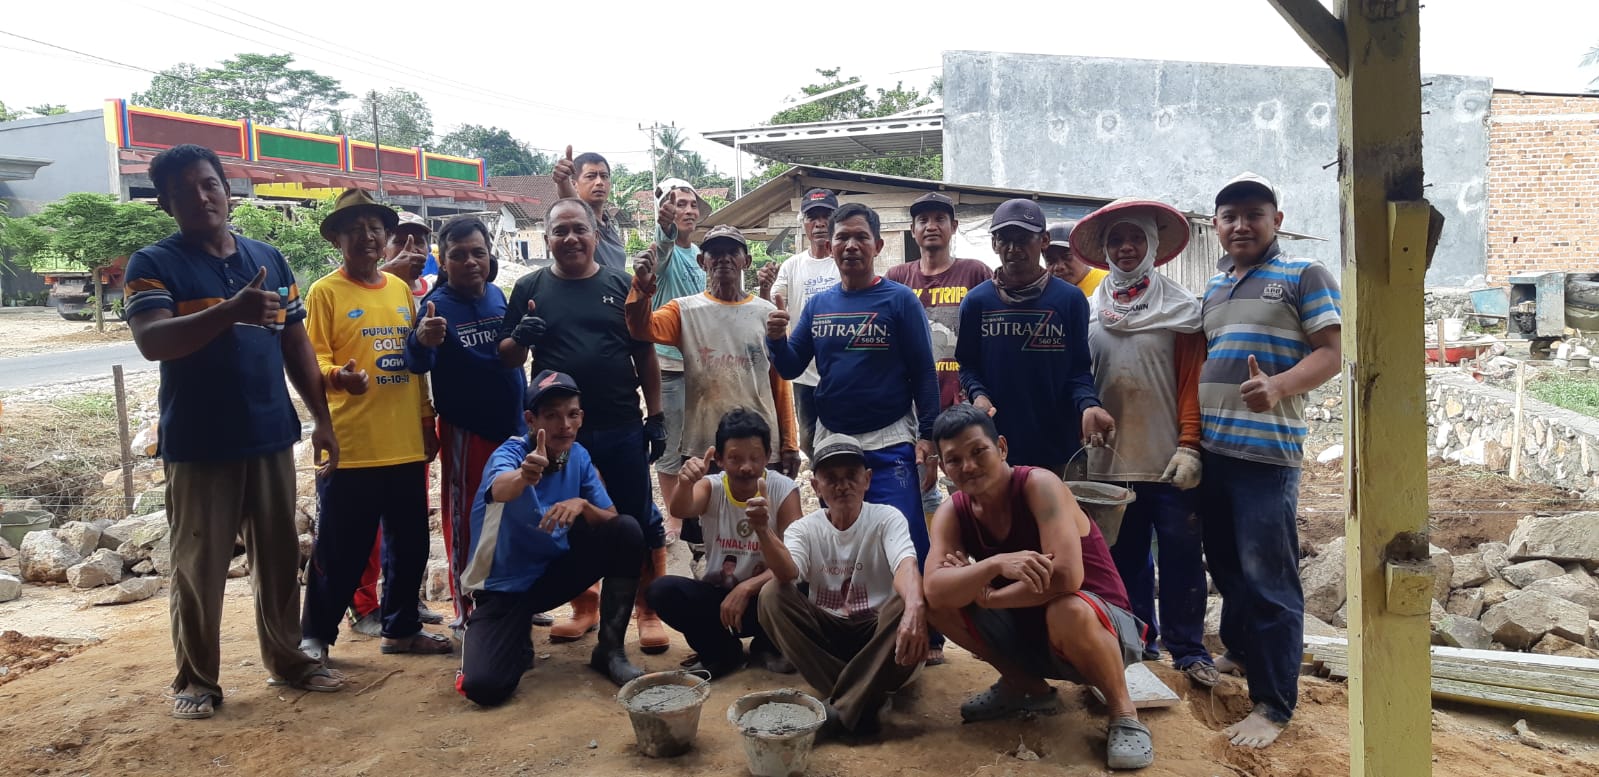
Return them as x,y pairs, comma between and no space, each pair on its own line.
45,557
1528,572
134,589
102,567
1521,621
10,587
1324,580
1573,537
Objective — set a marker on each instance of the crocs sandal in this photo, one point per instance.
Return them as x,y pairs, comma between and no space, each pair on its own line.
1203,673
424,642
1128,744
1000,702
205,705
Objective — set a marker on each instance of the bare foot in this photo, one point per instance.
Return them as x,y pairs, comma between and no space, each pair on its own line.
935,657
1257,731
1226,665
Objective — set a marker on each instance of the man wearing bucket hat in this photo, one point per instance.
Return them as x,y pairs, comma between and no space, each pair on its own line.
1065,265
861,632
795,282
1146,339
358,317
1023,349
1273,325
543,529
1041,602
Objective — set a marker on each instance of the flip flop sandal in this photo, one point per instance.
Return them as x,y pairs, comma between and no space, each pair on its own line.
421,642
1128,744
303,685
205,704
1203,674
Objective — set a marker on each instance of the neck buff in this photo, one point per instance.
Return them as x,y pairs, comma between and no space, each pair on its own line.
1143,300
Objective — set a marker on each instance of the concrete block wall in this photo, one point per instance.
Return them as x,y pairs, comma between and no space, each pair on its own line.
1543,184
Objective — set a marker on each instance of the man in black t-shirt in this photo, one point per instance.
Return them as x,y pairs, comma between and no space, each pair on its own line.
570,315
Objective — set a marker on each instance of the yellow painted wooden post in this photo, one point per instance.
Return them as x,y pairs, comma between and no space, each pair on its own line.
1374,48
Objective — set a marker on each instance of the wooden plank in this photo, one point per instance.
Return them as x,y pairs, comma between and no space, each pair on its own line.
1511,679
1499,696
1490,657
1147,690
1319,29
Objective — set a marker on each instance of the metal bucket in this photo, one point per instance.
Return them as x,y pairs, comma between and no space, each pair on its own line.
1105,503
17,524
783,753
668,727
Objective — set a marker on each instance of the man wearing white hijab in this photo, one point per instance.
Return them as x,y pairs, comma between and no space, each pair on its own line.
1144,334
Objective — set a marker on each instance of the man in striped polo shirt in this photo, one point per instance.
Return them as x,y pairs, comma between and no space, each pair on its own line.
1273,325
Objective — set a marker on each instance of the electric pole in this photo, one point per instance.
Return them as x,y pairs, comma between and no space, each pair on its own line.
377,141
652,129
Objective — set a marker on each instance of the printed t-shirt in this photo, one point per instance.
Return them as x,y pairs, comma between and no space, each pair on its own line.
586,338
728,535
227,400
511,551
346,320
679,275
941,295
472,388
850,572
799,278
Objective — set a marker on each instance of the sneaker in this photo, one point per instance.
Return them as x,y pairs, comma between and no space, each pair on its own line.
1001,702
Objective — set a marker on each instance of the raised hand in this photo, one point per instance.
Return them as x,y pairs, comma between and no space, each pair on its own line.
255,305
350,379
666,212
533,464
1260,391
777,325
431,329
766,277
693,470
565,171
756,510
644,271
530,331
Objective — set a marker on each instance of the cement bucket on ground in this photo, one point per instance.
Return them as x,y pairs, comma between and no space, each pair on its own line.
778,738
1104,503
665,710
17,524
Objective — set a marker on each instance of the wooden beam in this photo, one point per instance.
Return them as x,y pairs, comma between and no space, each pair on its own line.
1322,31
1384,228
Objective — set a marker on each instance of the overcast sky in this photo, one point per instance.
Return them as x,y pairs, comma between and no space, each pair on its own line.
590,73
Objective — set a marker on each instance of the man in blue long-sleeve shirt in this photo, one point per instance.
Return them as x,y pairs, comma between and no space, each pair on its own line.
874,353
1023,349
478,398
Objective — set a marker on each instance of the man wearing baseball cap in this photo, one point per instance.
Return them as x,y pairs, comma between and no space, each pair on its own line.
1023,349
1065,265
1251,402
795,282
408,255
544,530
861,631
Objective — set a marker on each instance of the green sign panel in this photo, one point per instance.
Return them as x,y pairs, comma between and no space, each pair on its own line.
452,171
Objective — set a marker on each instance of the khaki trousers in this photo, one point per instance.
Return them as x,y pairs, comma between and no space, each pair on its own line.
209,505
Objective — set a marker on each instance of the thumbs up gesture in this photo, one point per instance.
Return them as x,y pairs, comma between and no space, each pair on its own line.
530,331
644,272
1260,392
766,277
694,469
254,304
350,379
756,509
534,462
430,330
564,173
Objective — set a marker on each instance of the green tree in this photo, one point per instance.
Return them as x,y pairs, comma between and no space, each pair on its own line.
502,154
178,88
669,153
47,109
89,230
307,94
403,117
263,88
297,235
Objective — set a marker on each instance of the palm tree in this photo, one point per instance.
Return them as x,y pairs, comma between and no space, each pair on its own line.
1589,59
669,152
624,201
694,167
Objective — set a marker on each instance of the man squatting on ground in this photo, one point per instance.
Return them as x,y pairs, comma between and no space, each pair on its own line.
223,316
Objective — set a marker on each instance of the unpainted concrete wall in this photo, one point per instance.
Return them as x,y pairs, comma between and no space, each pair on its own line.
1176,131
81,160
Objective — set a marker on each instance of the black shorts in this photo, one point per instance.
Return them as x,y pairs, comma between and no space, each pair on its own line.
1036,656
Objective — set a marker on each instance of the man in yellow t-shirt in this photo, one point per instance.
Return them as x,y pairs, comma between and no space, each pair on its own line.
358,317
1063,265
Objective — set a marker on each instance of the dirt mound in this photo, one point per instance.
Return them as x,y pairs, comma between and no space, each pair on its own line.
20,655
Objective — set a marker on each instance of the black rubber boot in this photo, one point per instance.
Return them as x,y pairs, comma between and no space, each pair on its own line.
616,611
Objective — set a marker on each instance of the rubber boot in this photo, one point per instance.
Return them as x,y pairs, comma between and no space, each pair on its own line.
652,637
616,609
585,616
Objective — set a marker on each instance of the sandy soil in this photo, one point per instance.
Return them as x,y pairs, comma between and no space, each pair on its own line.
102,711
41,330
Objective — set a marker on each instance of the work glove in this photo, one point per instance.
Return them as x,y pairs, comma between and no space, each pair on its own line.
655,436
529,332
1184,469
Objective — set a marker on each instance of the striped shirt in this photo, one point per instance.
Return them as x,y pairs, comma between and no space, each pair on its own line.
1269,313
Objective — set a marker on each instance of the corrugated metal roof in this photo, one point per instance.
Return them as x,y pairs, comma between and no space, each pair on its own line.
835,141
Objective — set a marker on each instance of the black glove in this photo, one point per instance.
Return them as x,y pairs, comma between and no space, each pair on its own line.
655,436
529,332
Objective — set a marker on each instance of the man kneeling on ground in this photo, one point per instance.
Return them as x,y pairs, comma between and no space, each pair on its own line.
544,530
862,632
1025,582
713,613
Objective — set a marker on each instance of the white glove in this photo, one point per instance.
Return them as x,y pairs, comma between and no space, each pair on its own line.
1184,469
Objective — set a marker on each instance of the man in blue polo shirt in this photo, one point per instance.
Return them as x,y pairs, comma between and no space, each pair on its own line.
224,317
544,529
1273,324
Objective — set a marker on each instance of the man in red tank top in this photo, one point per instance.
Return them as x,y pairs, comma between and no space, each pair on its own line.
1025,582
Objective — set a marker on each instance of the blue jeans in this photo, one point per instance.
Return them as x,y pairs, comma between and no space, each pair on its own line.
1252,544
619,456
1163,512
353,506
895,483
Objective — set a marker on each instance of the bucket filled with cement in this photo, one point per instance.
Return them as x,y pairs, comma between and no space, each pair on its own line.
1105,503
779,729
665,710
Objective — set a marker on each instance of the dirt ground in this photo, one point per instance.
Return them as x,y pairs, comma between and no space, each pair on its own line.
25,331
103,711
1467,505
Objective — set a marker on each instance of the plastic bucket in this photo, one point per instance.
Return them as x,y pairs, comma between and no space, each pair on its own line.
779,751
1104,503
665,723
1454,329
16,524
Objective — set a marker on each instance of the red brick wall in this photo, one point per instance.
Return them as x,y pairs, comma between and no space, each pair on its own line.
1543,184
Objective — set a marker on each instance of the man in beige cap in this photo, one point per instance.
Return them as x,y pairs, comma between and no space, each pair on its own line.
408,256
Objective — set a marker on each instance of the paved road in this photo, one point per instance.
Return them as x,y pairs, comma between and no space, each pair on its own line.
38,369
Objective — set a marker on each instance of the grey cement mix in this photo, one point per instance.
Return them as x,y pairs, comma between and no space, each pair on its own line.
776,718
663,698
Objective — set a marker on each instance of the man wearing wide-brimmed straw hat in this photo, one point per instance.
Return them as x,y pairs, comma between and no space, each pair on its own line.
358,317
1144,334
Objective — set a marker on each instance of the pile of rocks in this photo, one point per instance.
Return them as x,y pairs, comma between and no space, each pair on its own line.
1537,592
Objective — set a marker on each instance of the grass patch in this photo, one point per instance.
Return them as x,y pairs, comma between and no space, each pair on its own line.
1572,393
57,451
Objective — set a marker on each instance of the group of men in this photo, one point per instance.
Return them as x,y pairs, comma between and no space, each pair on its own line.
882,383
